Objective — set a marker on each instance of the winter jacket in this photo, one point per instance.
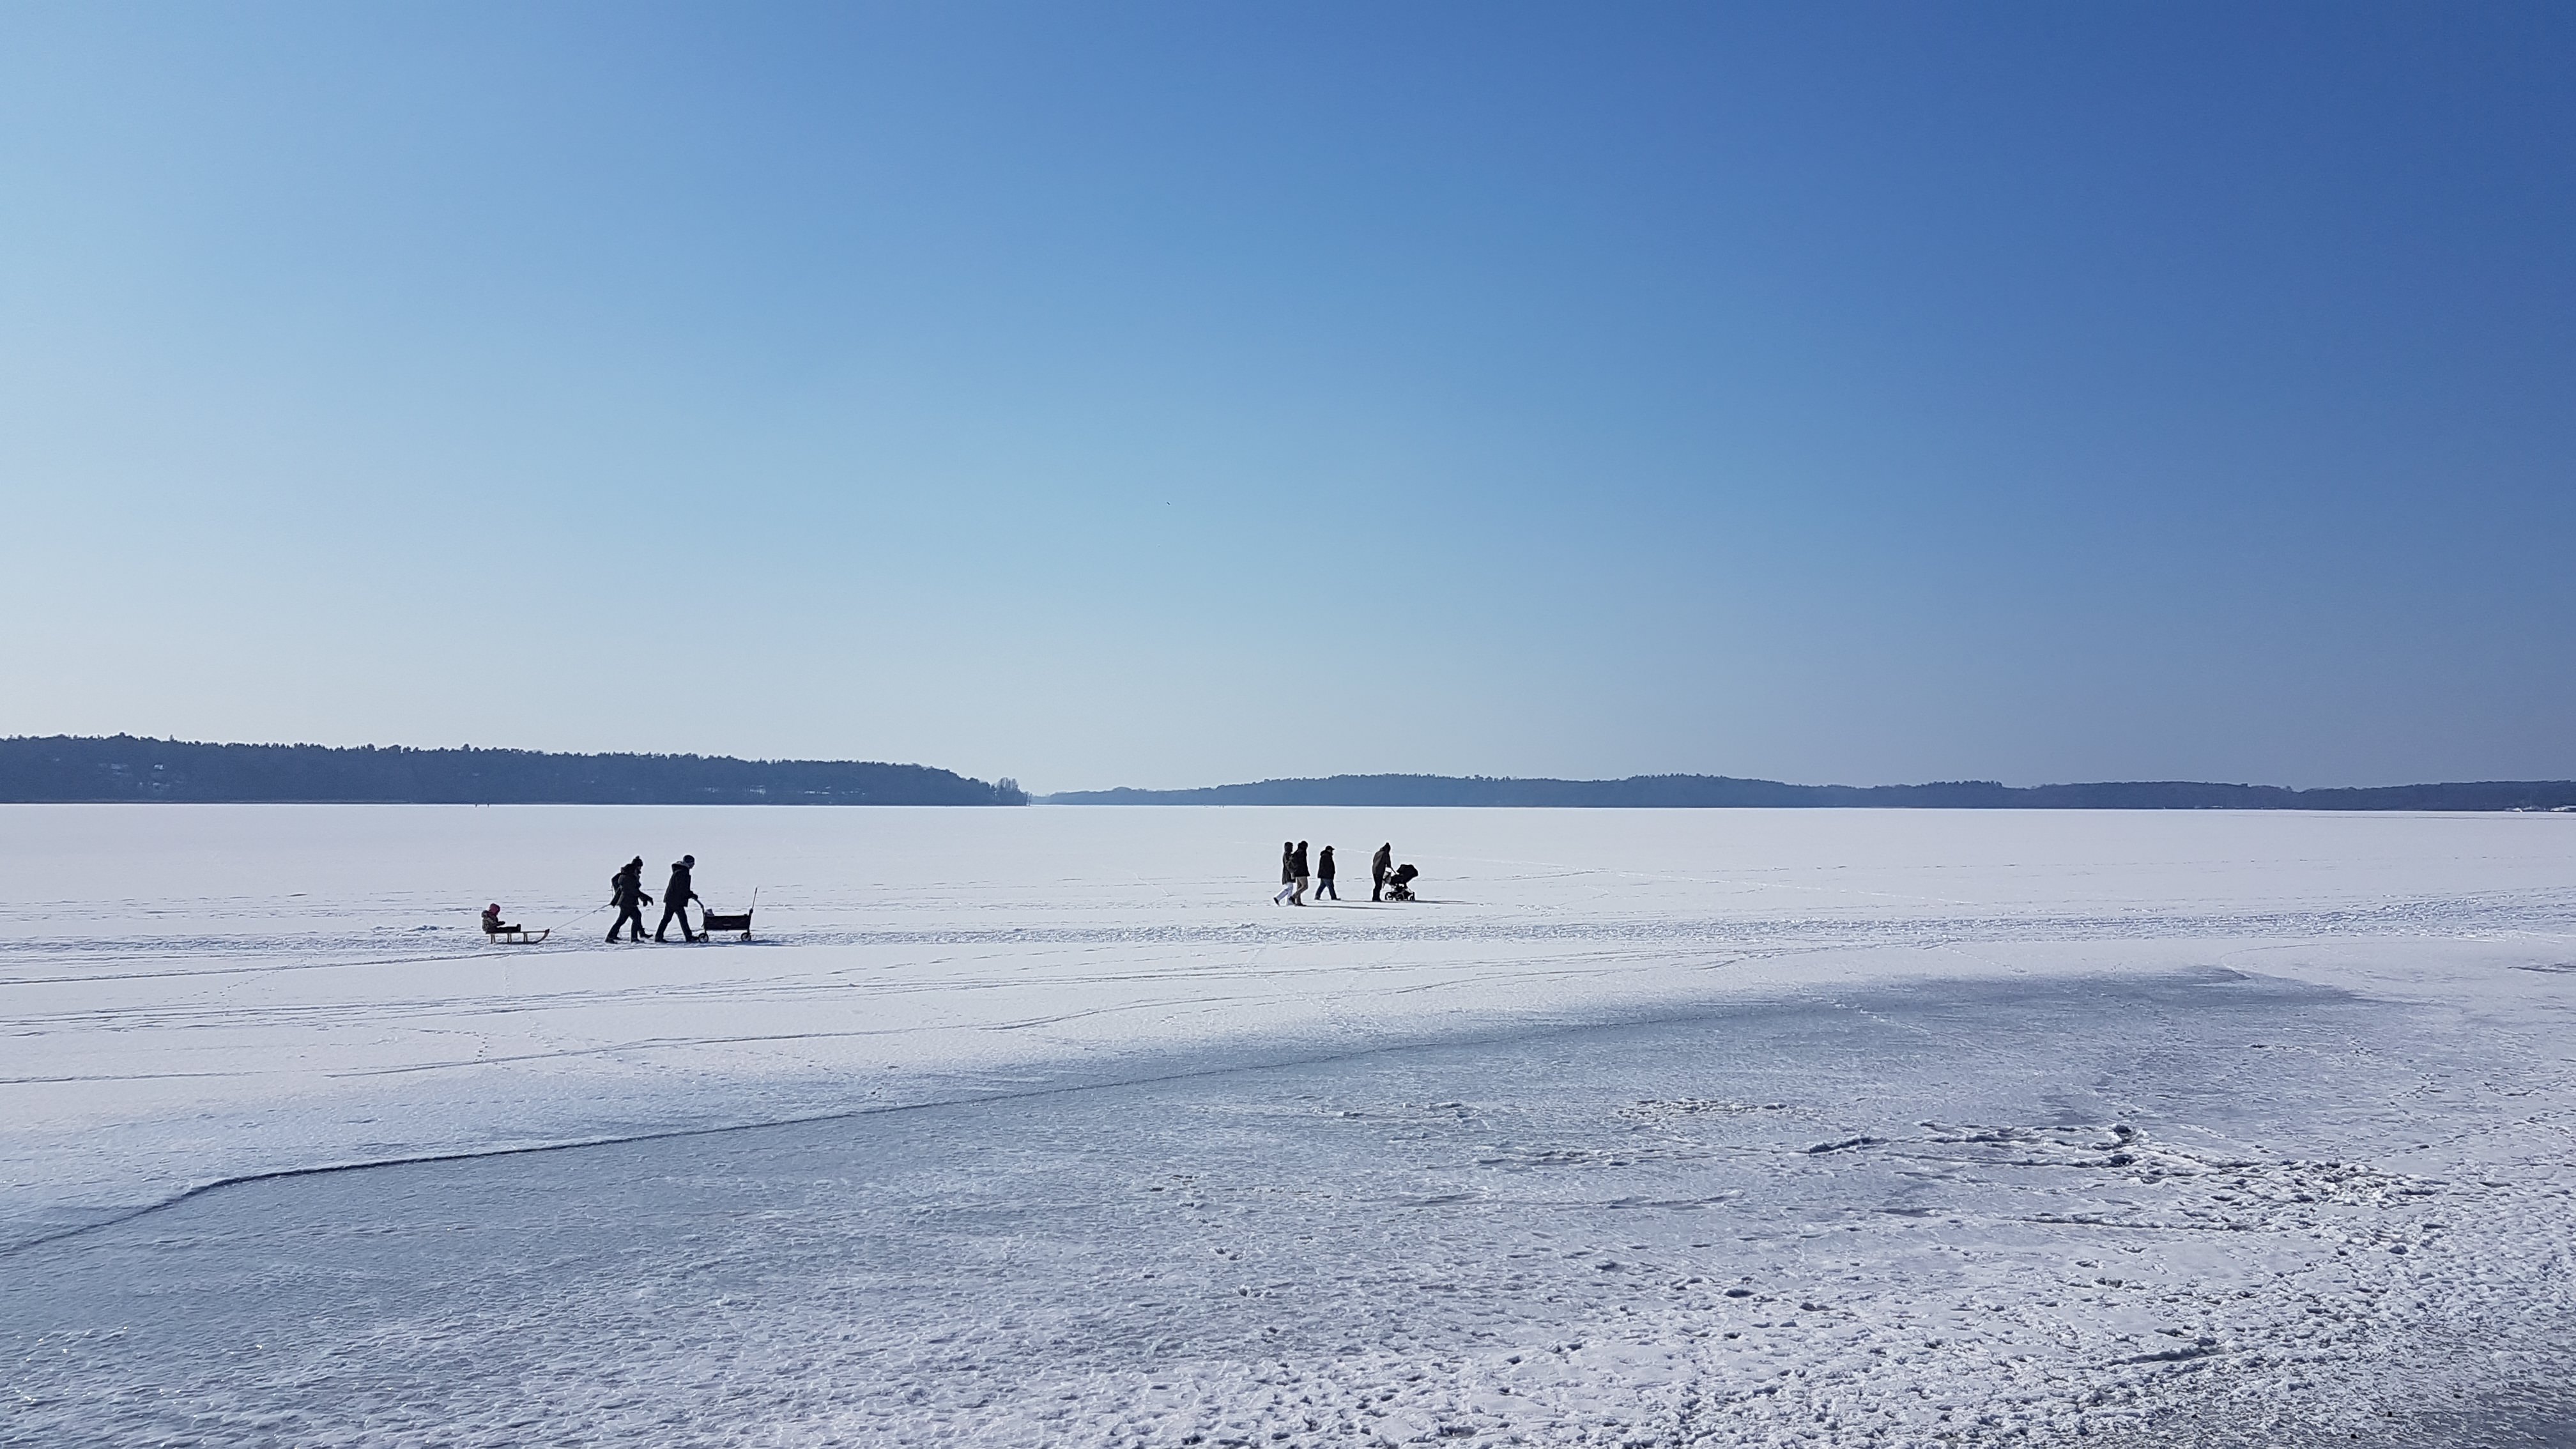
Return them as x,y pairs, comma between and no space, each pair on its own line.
1324,867
677,892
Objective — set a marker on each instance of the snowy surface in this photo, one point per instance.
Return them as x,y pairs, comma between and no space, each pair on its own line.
1037,1127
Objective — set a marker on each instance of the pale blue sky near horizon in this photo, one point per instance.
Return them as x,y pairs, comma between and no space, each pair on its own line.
1175,394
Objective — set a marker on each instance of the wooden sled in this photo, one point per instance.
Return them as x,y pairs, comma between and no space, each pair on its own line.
513,935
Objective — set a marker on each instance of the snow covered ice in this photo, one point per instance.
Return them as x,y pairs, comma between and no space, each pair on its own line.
1043,1127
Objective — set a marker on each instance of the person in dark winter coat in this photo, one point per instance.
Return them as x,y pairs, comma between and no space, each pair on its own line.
1287,872
675,899
1324,876
626,892
1379,865
1304,875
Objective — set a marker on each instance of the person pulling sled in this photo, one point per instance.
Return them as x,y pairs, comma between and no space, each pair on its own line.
626,892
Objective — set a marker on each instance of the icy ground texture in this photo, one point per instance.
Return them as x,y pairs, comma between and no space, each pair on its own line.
1721,1127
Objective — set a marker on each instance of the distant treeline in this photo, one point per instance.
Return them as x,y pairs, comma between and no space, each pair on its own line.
64,768
1720,791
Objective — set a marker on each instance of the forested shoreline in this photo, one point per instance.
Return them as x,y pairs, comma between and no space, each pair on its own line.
68,769
1721,792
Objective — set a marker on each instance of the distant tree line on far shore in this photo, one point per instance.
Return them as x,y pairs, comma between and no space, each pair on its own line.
1721,791
64,768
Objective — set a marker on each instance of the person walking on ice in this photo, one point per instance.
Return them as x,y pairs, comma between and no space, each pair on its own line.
1287,872
626,892
1379,865
1297,863
675,900
1324,876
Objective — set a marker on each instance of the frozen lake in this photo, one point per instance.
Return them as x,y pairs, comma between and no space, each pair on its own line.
1037,1127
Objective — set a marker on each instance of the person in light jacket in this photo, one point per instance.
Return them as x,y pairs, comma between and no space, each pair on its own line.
1287,872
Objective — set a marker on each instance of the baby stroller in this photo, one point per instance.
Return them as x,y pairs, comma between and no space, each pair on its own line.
1399,886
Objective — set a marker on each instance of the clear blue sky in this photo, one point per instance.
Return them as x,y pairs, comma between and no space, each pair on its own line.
1173,394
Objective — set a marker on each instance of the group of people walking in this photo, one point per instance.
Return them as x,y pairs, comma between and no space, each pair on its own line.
1294,875
626,892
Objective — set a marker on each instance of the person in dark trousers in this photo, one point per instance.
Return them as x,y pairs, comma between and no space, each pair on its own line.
626,892
1303,875
675,899
1287,872
1379,865
1324,876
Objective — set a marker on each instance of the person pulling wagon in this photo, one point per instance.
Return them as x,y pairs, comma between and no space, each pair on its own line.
675,900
